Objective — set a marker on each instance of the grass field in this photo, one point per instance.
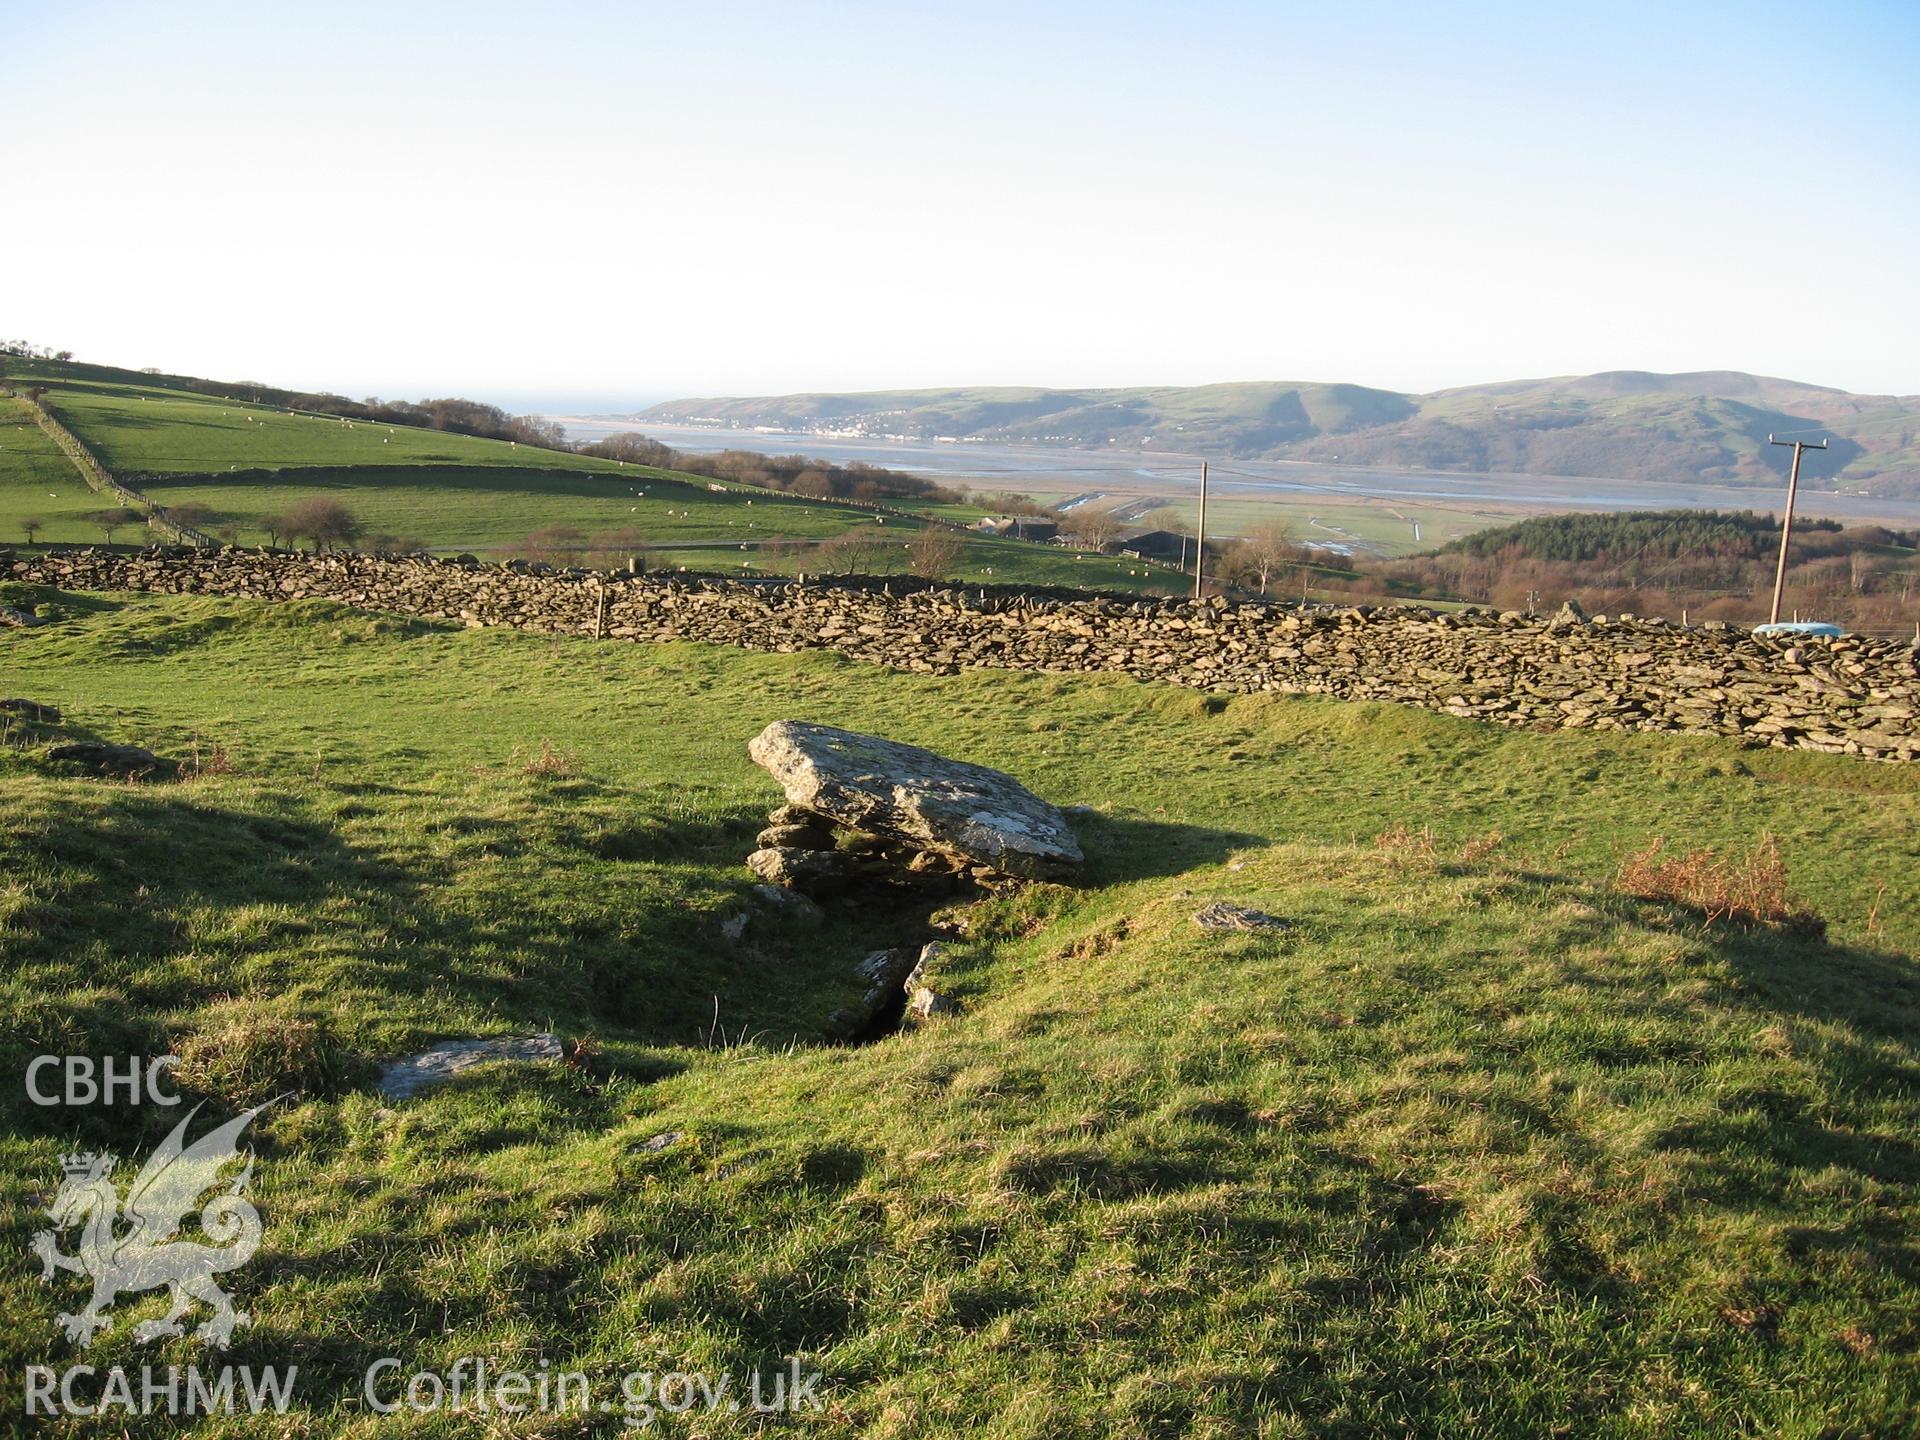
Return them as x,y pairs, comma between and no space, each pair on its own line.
1478,1146
449,492
152,430
37,481
1375,527
477,507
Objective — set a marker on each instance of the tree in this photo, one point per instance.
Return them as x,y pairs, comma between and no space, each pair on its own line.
118,518
192,514
1259,554
554,544
814,484
856,551
278,527
614,548
933,552
33,525
1095,529
323,520
633,448
396,545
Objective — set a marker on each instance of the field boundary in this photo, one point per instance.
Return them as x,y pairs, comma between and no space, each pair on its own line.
1852,695
102,480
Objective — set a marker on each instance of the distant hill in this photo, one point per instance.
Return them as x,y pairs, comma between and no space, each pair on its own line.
1707,426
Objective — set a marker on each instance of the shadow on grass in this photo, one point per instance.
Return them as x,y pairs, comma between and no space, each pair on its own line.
1763,1140
1120,849
147,909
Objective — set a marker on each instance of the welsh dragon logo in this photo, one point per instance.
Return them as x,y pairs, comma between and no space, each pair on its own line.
128,1247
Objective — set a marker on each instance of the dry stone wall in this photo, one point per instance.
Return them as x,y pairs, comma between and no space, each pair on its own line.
1853,695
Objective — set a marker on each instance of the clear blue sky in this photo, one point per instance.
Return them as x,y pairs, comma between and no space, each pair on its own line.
609,201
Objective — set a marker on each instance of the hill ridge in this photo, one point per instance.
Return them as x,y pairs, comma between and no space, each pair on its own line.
1701,426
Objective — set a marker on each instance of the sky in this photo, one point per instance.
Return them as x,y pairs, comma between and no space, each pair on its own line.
582,205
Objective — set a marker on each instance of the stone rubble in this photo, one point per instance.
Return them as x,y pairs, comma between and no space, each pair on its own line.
1853,695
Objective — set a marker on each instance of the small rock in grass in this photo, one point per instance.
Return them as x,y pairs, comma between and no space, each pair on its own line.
443,1063
734,927
1224,915
925,1002
103,759
790,902
930,952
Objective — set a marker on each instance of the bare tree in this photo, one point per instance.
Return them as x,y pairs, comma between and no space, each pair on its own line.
33,525
278,527
191,513
396,545
554,544
1092,528
614,548
859,551
933,552
323,520
1262,552
813,483
1167,517
117,518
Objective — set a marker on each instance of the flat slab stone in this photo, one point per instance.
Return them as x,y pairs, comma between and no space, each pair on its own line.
445,1062
918,798
1225,915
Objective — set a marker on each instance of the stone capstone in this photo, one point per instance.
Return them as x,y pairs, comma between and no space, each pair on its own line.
918,799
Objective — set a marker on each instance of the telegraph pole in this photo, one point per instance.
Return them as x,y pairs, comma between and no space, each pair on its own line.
1200,541
1786,525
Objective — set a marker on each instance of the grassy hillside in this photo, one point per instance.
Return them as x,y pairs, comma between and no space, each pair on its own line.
246,461
37,481
1479,1145
1706,427
478,506
1242,419
151,430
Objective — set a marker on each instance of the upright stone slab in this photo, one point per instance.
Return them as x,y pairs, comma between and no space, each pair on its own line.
921,799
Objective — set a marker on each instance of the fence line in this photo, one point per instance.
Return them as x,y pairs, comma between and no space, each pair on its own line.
101,479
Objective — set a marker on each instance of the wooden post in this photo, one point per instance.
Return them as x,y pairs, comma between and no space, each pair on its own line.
1786,524
1200,541
600,612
